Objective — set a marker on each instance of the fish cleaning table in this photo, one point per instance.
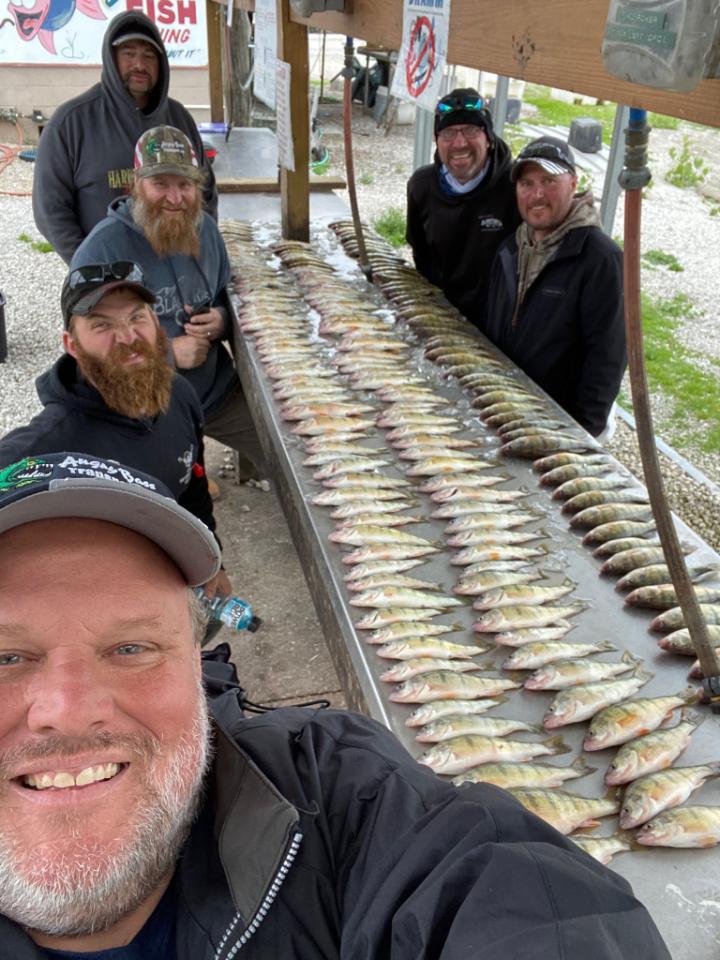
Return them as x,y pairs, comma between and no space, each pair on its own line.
681,888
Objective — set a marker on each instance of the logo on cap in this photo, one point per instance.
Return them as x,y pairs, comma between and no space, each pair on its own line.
24,472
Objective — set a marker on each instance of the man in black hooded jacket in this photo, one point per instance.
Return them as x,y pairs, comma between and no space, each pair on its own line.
85,155
462,206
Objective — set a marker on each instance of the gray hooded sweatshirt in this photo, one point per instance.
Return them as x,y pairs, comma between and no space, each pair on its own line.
85,155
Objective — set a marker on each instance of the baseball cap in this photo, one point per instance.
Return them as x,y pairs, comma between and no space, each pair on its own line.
63,485
463,106
165,150
85,286
550,153
132,33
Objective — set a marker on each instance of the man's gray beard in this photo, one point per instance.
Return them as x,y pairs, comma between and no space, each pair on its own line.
91,889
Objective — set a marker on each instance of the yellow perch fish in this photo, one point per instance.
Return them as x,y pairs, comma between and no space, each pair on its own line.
429,712
579,703
460,726
387,551
489,521
334,467
375,568
482,583
407,669
685,827
647,797
412,647
401,630
651,753
379,519
391,580
533,775
566,811
360,535
624,721
434,465
479,553
372,481
569,673
327,425
521,593
346,509
381,597
502,619
462,753
518,638
448,685
382,618
530,656
341,495
604,849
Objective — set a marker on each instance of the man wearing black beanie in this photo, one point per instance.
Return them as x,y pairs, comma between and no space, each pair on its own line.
462,206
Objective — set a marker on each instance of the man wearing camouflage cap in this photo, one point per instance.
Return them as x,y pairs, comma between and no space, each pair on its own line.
85,154
462,206
163,228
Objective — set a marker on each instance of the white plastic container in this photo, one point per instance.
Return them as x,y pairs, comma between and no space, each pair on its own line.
669,44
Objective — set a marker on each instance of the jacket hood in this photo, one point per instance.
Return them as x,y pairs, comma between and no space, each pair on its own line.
500,163
110,78
63,384
121,209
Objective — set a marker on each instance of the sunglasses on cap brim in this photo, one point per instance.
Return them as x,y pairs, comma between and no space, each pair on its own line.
455,102
101,273
544,151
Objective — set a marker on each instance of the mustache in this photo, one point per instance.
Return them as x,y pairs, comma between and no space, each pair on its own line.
144,748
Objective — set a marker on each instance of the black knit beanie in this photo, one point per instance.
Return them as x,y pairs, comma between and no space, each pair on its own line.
459,115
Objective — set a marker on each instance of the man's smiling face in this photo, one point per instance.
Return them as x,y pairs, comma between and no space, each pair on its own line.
103,724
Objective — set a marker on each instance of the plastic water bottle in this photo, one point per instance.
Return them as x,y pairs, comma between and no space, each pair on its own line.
232,611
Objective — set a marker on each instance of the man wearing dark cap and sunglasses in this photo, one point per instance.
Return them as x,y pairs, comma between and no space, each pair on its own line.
556,291
461,207
114,394
85,156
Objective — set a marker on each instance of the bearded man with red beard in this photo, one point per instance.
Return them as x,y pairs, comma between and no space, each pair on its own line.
162,227
113,394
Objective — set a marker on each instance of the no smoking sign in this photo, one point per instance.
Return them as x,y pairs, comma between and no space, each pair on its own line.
421,60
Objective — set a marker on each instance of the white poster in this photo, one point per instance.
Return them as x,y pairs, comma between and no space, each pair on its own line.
286,153
423,52
70,32
265,51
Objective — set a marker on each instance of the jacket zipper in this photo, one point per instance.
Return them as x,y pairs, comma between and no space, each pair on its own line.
264,906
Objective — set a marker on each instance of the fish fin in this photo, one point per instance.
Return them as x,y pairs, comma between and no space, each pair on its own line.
557,744
715,767
643,675
691,717
47,39
582,766
628,657
535,728
691,695
563,623
613,793
91,8
608,645
544,573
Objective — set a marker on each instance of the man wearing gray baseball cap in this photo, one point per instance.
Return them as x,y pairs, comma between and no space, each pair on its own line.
143,816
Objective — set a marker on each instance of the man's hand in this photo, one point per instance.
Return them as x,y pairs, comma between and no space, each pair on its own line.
190,352
219,585
209,325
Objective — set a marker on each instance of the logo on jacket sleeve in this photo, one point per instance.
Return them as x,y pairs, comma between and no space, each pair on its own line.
489,223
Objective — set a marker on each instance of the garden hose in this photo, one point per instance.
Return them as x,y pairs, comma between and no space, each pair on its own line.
633,178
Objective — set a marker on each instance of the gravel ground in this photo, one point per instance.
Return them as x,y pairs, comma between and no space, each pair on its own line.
674,220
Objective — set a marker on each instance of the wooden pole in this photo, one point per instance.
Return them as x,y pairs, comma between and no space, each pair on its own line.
294,185
215,21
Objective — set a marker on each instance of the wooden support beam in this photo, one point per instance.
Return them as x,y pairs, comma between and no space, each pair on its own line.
272,185
293,49
215,24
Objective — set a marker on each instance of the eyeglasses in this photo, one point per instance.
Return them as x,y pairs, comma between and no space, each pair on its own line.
469,133
544,151
100,273
454,101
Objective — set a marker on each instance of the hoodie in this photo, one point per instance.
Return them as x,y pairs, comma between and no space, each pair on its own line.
175,281
75,417
454,236
85,154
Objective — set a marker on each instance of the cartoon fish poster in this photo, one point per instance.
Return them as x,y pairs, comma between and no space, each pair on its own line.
70,32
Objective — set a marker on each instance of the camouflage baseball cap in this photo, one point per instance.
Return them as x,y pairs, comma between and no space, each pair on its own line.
166,150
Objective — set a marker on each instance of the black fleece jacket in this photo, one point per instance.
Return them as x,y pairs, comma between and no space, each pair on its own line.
85,154
75,417
454,237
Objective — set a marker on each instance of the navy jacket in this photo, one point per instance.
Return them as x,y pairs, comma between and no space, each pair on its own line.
85,154
321,839
569,334
75,417
454,237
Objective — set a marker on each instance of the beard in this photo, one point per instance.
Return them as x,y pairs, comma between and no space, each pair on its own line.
137,390
169,235
75,888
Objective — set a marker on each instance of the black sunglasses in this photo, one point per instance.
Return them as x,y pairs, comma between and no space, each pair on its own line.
454,101
100,273
546,151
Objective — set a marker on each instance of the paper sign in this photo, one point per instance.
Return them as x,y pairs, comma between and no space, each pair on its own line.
265,51
286,153
70,32
423,53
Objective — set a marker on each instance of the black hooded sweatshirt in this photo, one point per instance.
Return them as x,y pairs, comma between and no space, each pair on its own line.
75,417
85,155
454,237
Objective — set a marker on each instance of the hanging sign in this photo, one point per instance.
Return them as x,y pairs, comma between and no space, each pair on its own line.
423,53
265,22
286,153
70,32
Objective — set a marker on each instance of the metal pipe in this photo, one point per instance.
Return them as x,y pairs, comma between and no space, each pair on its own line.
633,178
349,165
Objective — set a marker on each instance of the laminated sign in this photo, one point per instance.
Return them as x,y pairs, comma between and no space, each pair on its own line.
423,54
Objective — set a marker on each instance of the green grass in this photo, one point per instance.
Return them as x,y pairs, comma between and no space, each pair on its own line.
659,258
673,369
40,245
366,179
391,226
